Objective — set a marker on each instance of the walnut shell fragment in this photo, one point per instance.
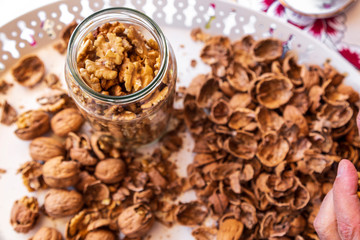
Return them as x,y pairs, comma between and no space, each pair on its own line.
136,221
29,71
8,113
32,124
191,214
31,172
268,120
61,174
337,115
204,233
272,150
46,148
230,229
266,50
243,145
24,214
61,203
274,91
243,118
47,233
96,195
220,112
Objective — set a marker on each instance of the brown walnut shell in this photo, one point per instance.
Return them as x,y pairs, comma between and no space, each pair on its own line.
230,229
136,221
47,233
32,124
102,234
266,50
242,118
45,148
243,145
24,214
29,71
191,213
272,150
268,120
66,121
61,203
61,174
110,170
337,115
8,114
274,92
220,112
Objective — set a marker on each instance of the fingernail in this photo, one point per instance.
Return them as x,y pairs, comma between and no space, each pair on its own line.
341,169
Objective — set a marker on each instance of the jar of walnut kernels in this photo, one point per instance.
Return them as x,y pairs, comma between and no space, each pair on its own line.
121,72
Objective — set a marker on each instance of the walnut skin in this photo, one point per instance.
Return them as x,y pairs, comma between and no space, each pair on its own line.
24,214
61,203
45,148
32,124
47,233
136,221
66,121
110,170
61,174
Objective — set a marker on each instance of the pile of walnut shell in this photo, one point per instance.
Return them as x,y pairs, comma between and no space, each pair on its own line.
103,188
268,133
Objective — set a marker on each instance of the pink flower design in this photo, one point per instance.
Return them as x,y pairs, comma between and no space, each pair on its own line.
350,53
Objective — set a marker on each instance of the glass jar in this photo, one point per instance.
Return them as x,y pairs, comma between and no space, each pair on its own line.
137,118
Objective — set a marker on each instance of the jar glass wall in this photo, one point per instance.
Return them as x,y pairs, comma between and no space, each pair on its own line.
136,118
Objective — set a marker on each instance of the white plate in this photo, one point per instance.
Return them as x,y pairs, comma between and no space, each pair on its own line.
176,20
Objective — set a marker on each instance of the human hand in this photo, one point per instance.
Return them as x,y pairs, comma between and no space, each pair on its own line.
339,214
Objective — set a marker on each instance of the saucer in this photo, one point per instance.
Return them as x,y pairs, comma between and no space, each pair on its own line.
317,8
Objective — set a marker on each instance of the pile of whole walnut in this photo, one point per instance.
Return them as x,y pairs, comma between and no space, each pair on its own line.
268,135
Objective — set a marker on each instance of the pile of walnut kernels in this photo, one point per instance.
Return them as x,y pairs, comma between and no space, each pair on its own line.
268,135
117,60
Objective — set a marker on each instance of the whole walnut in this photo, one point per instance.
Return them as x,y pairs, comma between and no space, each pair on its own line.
62,203
136,221
45,148
102,234
110,170
47,233
24,214
32,124
66,121
61,174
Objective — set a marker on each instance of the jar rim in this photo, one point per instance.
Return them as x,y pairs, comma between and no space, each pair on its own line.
129,98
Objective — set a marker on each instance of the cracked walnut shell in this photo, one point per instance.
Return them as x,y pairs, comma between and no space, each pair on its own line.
135,221
32,124
24,214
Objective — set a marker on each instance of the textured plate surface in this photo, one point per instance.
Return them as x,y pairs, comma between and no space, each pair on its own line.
36,31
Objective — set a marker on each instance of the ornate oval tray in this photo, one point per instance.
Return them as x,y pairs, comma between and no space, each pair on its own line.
37,31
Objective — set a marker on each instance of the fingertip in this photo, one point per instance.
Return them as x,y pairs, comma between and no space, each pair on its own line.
346,178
